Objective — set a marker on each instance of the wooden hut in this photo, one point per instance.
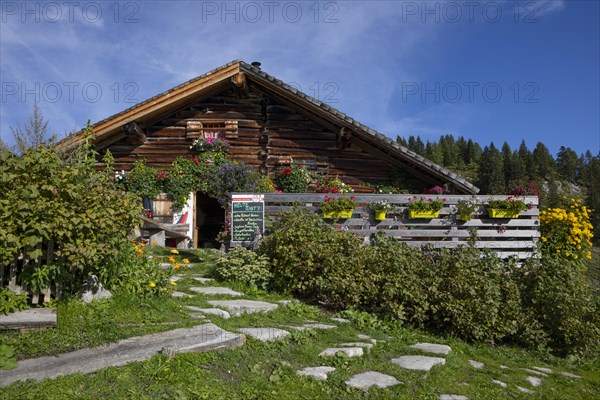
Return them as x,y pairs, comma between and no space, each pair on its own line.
269,124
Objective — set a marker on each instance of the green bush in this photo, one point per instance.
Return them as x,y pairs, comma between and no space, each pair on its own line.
243,265
464,292
11,302
66,201
313,261
560,297
130,270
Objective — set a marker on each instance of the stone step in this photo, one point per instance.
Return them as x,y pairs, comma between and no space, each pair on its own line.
318,373
418,363
366,380
33,318
432,348
216,290
265,334
349,351
199,338
239,307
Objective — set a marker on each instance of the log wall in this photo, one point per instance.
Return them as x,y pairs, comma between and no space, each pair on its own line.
269,133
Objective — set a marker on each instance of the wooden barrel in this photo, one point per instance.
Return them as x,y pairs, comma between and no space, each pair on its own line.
161,209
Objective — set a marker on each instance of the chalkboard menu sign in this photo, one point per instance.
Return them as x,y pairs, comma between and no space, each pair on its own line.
247,217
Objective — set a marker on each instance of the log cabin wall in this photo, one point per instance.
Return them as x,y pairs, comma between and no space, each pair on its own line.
269,133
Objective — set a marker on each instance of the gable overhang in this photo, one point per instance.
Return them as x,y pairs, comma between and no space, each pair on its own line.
112,129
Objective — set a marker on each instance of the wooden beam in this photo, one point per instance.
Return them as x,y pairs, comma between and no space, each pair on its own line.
240,85
135,133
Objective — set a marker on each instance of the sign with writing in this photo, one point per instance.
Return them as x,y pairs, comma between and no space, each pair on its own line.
247,216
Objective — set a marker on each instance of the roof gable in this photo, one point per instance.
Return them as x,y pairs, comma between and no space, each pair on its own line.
112,129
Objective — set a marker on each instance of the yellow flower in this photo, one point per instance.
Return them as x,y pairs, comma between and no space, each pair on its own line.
152,284
173,283
177,266
186,261
171,260
174,251
142,244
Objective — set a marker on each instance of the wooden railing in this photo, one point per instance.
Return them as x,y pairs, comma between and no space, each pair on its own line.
508,237
10,276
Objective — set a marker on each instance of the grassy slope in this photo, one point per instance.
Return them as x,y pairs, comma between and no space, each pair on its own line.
267,371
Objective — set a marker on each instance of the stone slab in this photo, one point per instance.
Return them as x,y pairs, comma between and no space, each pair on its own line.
319,373
366,380
432,348
239,307
452,397
199,338
320,326
203,280
265,334
524,390
177,278
366,337
535,372
211,311
534,381
545,370
179,295
33,318
340,320
570,375
364,345
216,290
418,363
499,383
349,351
476,364
197,315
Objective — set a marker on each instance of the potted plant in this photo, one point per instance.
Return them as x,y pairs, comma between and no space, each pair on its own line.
467,207
213,144
509,208
380,208
424,208
292,179
338,207
334,185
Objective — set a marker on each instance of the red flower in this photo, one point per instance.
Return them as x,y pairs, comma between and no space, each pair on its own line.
196,160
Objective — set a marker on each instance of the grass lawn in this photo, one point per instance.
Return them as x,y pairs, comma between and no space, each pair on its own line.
268,370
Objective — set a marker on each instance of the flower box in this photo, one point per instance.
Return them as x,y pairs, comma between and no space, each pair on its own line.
380,215
338,214
499,213
423,214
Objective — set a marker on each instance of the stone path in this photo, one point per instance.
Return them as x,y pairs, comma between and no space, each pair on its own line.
210,337
199,338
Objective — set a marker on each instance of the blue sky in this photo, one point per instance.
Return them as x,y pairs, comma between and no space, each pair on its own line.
487,70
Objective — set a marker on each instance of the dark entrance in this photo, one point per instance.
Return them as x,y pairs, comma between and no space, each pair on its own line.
210,218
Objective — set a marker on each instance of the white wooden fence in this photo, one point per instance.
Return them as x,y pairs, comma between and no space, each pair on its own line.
508,237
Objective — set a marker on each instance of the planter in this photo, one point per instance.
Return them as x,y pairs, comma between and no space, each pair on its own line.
464,217
338,214
423,214
498,213
380,215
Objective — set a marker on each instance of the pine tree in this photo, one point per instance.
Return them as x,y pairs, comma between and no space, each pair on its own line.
491,171
34,133
543,163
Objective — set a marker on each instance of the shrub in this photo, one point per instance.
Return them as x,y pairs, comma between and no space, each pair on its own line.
567,232
243,265
45,198
11,302
474,295
142,180
131,271
559,295
313,261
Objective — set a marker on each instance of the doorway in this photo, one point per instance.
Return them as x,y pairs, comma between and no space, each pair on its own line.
210,218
